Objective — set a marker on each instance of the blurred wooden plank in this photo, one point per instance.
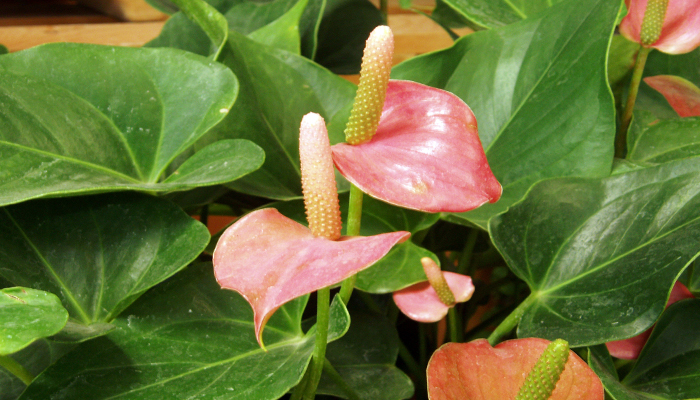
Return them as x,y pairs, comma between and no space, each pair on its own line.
126,10
416,34
48,12
116,34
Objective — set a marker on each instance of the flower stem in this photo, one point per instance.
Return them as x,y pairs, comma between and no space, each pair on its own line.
333,374
511,320
465,261
322,316
621,140
353,229
455,325
16,369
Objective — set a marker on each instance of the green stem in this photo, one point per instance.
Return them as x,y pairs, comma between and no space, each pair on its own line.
333,374
511,320
621,140
466,258
353,229
412,365
384,10
323,298
16,369
455,325
299,389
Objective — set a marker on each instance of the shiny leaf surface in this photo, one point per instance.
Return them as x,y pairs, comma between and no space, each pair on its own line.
578,267
538,89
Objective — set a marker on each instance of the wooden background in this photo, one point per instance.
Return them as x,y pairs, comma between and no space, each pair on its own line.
28,23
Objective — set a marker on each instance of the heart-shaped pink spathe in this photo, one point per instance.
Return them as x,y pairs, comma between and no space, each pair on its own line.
629,349
682,95
477,371
420,302
426,154
679,32
270,259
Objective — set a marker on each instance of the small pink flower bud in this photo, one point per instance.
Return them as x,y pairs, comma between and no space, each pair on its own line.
437,281
318,178
371,91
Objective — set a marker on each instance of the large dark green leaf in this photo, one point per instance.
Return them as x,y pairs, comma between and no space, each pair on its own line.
669,364
35,358
365,359
539,91
401,267
186,339
656,141
495,13
212,22
279,88
601,255
85,118
97,253
600,362
27,315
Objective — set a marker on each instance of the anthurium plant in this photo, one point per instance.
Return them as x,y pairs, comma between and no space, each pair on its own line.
516,216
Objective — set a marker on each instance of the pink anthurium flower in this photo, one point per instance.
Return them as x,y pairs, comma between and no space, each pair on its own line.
426,153
629,349
423,303
270,259
681,94
672,28
477,371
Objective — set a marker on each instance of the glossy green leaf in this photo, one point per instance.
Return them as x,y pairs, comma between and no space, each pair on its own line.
655,141
667,367
271,114
35,358
344,29
127,244
212,22
365,359
27,315
601,363
401,267
283,33
84,118
186,338
604,272
623,54
539,91
495,13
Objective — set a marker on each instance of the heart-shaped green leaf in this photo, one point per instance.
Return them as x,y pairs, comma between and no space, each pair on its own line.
666,368
127,244
401,267
84,118
186,338
605,271
540,94
365,359
27,315
495,13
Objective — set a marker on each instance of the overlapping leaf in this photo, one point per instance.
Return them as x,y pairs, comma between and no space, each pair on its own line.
539,91
365,358
654,140
27,315
85,118
665,368
35,358
604,271
186,339
127,244
495,13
